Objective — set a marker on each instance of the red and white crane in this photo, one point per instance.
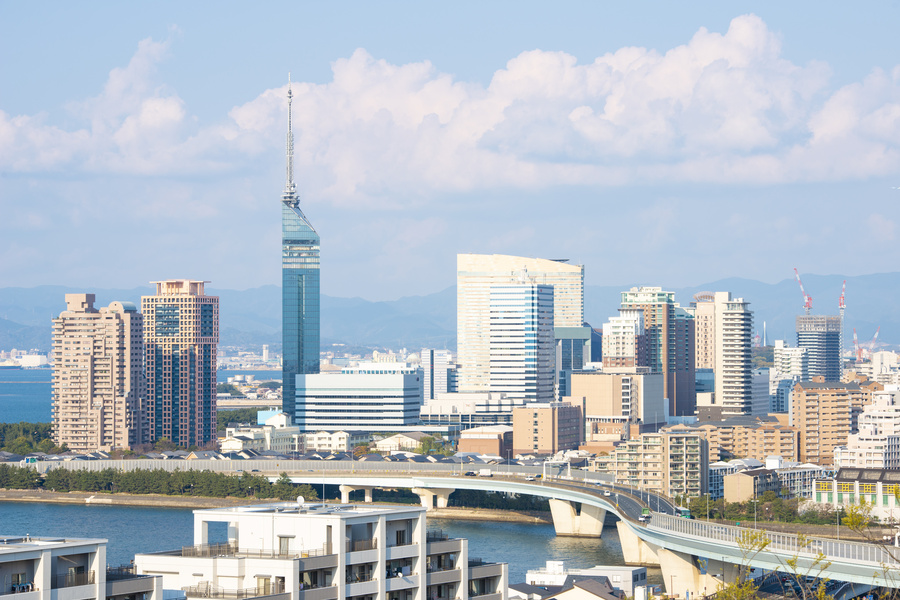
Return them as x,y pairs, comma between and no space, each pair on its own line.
841,304
807,299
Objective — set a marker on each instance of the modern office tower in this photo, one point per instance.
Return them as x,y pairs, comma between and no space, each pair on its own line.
475,274
98,376
547,428
759,384
436,367
359,399
821,336
522,349
624,343
314,551
573,351
299,286
724,331
669,331
181,333
671,463
877,445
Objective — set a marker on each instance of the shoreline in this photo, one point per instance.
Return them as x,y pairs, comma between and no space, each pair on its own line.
199,502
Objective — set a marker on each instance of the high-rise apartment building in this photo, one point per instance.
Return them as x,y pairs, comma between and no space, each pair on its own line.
822,337
475,275
624,343
669,331
299,286
181,334
547,428
522,349
825,413
98,376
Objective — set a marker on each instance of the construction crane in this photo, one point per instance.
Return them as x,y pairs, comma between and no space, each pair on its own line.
856,347
807,299
841,304
868,347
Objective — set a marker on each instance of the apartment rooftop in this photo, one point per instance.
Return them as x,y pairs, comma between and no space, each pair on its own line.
307,510
10,544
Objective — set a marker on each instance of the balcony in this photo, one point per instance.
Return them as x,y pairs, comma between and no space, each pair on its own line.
360,545
211,550
17,588
443,576
323,593
72,580
207,590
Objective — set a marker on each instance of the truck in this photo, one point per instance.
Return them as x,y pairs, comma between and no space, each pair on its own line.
484,473
645,515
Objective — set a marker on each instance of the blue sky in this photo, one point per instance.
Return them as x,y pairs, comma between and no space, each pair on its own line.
657,143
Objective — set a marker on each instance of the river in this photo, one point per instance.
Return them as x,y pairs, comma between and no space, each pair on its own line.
132,530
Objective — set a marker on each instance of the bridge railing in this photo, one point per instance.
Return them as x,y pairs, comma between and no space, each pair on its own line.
785,543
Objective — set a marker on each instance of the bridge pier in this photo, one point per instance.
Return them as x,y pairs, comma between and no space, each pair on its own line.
427,496
682,573
346,489
567,521
636,551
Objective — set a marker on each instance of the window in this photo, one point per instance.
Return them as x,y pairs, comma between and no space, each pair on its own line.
284,545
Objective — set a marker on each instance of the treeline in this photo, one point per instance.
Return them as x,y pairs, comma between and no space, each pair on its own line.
157,481
770,507
498,500
24,438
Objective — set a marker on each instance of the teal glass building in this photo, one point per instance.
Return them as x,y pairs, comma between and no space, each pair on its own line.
299,286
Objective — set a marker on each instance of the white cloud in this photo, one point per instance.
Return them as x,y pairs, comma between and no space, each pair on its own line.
721,108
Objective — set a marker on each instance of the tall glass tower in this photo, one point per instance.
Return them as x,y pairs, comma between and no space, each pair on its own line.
299,285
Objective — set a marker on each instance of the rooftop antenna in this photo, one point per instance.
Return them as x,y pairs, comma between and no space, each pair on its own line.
289,187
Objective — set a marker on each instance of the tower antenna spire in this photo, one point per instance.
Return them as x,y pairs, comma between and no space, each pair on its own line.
289,187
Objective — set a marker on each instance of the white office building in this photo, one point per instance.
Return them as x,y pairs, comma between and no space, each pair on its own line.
277,434
436,368
303,551
522,346
475,275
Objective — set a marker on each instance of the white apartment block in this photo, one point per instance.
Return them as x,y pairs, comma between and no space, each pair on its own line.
98,376
475,275
298,551
50,568
789,365
877,444
623,340
522,344
338,441
277,435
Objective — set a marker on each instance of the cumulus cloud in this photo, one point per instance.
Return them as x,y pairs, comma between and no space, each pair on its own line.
723,108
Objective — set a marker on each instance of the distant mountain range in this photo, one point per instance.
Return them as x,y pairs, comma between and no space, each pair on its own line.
253,317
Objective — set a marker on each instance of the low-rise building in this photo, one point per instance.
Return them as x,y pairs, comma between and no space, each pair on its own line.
546,428
797,478
337,441
50,568
555,574
469,409
401,441
877,443
298,551
752,483
493,440
879,488
718,471
277,434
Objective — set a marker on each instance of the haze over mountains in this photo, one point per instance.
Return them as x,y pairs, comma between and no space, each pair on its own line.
253,317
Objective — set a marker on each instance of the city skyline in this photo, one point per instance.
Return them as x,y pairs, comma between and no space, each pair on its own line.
413,147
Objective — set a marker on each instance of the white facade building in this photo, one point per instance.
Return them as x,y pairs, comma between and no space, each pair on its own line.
789,365
277,434
555,574
469,409
324,552
48,568
622,343
877,445
522,346
338,441
436,367
475,275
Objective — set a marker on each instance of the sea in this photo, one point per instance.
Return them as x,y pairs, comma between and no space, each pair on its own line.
523,546
25,393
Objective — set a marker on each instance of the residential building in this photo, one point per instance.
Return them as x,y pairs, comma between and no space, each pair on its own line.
877,443
300,294
335,442
436,367
670,463
546,428
98,376
359,400
303,551
796,478
181,334
724,331
825,414
879,488
752,483
522,349
718,471
745,437
555,574
51,568
669,331
492,440
789,366
277,434
624,343
476,274
619,402
822,337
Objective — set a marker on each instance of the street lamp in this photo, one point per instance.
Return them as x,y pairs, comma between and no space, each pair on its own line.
508,454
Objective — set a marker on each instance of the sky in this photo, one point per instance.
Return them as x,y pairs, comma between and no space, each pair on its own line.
657,143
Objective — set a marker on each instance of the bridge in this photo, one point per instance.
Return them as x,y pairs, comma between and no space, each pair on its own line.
694,556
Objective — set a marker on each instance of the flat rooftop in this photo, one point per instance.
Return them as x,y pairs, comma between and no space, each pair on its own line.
312,509
22,543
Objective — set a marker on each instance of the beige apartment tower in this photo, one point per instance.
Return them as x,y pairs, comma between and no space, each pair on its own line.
181,335
98,376
546,428
476,274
